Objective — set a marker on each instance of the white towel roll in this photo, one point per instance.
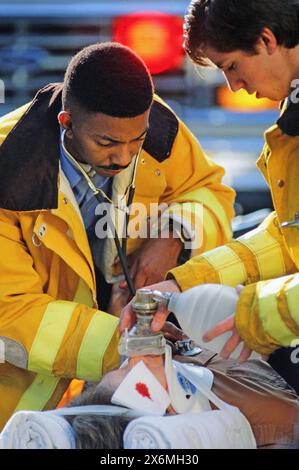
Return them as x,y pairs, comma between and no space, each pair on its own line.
217,429
37,430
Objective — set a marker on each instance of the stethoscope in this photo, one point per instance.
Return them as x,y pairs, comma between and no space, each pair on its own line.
98,193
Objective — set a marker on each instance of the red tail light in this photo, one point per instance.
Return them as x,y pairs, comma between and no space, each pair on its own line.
157,37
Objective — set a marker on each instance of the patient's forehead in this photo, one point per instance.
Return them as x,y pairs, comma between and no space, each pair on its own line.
113,378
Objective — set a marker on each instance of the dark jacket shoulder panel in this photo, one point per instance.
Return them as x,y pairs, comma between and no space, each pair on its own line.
29,156
289,120
163,129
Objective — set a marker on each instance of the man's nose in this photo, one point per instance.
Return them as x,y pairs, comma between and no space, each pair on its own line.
234,83
124,155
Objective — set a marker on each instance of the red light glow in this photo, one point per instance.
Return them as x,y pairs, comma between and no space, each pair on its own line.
156,37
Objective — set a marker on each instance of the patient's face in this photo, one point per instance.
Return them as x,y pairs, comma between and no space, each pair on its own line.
154,363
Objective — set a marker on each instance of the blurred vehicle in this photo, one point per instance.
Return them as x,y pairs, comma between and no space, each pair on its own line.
37,39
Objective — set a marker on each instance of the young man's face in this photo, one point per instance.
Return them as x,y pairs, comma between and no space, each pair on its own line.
265,73
106,143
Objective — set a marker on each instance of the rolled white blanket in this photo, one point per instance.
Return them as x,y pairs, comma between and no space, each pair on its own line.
217,429
37,430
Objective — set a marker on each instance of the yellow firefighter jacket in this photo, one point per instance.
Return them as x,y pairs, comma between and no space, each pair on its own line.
267,258
51,330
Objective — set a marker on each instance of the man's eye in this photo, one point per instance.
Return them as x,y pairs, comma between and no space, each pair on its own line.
232,67
104,145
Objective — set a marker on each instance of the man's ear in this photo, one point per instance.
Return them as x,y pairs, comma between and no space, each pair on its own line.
65,121
268,40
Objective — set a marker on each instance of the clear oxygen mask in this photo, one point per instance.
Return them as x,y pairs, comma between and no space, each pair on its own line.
141,340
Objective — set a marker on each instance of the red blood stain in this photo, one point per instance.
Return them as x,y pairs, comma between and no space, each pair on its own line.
142,389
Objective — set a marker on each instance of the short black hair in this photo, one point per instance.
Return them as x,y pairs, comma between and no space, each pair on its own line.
229,25
108,78
99,432
96,431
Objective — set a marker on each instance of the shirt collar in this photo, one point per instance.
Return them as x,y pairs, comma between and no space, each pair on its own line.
73,172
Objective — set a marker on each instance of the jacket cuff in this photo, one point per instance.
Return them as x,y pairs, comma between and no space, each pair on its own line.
249,325
184,277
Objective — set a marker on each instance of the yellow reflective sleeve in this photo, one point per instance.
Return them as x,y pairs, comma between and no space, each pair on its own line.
267,314
94,344
248,322
289,304
271,319
228,265
111,357
258,255
49,336
38,393
221,265
196,271
72,340
248,259
267,252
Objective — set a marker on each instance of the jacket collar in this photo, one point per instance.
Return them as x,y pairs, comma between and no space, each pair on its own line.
29,156
289,120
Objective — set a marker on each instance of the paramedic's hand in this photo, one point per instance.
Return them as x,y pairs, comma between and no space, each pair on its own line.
118,300
128,318
223,327
172,333
150,263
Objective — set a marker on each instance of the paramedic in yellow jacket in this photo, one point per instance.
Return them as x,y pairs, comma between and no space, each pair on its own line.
55,271
256,45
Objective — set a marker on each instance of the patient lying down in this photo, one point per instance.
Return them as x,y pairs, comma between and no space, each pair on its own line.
163,402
